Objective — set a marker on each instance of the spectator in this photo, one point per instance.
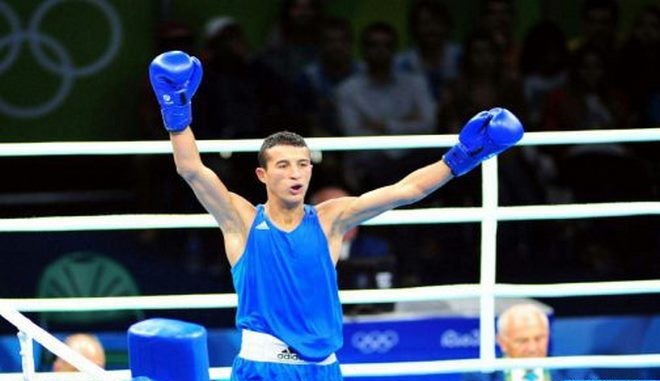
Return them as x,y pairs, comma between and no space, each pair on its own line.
317,84
544,69
639,60
637,66
480,85
434,54
523,331
497,19
240,97
87,345
543,66
294,42
599,23
316,88
589,100
483,84
381,101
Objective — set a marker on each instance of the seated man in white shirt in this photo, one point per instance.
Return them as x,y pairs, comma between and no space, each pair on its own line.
383,101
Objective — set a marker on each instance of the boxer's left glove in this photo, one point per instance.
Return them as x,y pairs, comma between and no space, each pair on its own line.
175,76
485,135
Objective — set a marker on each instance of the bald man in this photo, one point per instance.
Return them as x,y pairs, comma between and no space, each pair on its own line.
87,345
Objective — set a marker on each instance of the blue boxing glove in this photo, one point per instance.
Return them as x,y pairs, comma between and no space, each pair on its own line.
175,76
485,135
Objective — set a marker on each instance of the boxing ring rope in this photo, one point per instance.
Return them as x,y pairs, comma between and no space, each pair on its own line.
29,331
489,215
393,217
324,144
408,294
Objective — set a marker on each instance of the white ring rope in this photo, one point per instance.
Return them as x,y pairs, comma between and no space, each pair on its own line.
417,367
476,365
489,215
324,144
410,294
393,217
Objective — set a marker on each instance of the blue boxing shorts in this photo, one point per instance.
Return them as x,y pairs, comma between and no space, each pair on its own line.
264,357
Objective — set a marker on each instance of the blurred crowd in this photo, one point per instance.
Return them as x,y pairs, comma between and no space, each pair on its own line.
318,76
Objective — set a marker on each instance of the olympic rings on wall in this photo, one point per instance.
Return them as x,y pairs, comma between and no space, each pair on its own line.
375,341
59,63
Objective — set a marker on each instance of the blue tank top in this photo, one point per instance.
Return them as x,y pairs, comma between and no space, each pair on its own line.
287,286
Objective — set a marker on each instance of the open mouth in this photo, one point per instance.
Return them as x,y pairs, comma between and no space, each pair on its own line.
297,188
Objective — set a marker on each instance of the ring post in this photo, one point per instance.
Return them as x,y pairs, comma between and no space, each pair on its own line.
168,350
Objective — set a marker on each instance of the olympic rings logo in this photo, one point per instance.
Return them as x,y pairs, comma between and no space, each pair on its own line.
375,341
61,64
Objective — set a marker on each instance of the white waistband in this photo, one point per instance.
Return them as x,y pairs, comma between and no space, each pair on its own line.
262,347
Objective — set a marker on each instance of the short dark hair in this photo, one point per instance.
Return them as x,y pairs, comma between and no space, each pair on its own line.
282,138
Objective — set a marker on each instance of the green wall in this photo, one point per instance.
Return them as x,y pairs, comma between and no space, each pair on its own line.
99,105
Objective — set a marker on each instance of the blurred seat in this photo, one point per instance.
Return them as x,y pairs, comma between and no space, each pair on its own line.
87,274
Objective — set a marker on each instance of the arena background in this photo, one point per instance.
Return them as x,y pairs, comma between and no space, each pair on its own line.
104,106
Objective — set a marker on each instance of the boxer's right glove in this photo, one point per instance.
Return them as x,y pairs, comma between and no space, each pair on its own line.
175,76
485,135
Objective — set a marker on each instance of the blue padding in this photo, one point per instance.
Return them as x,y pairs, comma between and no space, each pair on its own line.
168,350
10,359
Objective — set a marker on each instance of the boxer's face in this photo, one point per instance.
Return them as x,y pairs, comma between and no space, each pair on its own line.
287,173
